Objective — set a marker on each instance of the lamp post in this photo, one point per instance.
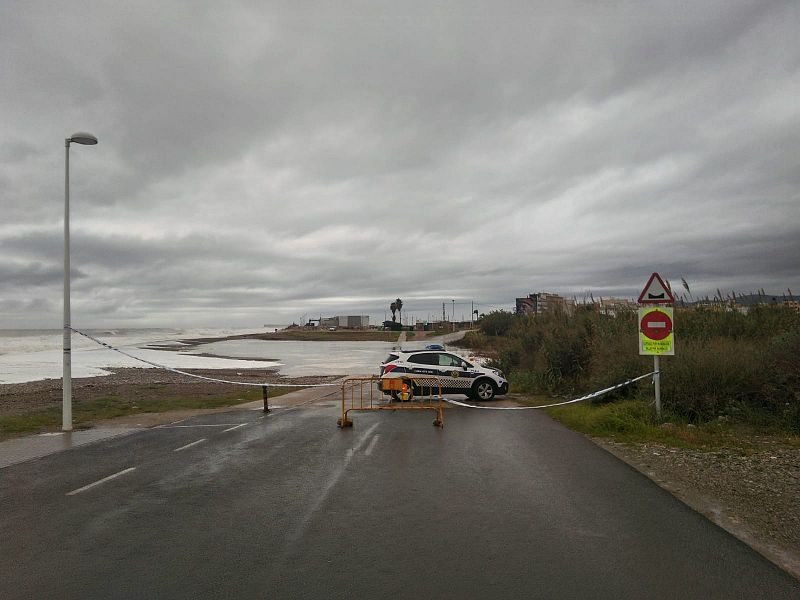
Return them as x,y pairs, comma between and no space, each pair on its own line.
86,139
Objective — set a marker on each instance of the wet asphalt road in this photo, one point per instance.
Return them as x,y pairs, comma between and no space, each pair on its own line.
496,505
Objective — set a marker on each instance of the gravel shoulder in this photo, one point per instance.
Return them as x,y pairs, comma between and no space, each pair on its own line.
752,495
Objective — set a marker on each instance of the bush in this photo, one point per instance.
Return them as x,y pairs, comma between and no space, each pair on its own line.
707,379
726,363
759,323
496,323
780,392
566,353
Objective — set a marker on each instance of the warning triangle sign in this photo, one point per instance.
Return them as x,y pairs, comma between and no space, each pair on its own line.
656,292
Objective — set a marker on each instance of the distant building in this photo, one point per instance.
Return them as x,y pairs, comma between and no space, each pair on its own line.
537,304
616,306
793,304
527,306
346,322
357,322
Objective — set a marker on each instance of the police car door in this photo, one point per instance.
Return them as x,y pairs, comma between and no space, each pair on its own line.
454,376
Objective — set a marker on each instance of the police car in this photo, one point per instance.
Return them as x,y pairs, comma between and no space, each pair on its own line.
457,376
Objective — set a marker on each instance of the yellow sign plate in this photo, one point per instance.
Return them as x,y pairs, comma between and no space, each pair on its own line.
656,331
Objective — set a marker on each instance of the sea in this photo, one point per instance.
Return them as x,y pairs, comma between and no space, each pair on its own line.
36,354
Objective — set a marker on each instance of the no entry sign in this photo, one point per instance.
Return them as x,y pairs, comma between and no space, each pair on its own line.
655,331
656,325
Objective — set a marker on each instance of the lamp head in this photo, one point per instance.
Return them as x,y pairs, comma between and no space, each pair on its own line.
83,138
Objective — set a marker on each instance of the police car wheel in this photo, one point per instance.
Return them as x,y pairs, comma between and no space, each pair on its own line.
483,389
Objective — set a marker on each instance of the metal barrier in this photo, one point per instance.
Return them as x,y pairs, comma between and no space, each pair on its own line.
423,392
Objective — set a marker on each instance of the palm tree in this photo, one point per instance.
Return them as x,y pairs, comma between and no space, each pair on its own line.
399,304
393,308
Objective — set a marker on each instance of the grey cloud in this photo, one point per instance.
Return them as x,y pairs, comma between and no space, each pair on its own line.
270,157
30,274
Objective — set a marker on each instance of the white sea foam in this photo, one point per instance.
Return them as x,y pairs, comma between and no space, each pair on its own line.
35,355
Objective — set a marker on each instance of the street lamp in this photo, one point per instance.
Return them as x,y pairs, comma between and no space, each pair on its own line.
86,139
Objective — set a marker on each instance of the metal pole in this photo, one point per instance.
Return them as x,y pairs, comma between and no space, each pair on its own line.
265,392
66,409
657,383
453,312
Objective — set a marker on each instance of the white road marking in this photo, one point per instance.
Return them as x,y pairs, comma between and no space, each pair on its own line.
200,441
191,426
234,427
333,479
98,482
361,442
371,446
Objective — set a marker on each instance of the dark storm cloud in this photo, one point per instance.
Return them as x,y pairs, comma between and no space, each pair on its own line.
261,159
29,274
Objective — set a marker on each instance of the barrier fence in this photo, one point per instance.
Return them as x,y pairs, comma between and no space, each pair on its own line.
422,392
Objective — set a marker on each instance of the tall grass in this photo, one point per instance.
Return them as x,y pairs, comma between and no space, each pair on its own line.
745,367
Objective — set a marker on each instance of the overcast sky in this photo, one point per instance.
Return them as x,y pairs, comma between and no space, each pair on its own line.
259,161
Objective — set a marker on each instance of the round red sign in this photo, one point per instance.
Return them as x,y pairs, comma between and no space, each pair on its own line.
656,325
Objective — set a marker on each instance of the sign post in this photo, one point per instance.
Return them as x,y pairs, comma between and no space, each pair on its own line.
656,336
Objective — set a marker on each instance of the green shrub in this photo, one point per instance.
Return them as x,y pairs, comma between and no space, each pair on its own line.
707,379
760,322
497,323
532,382
745,367
626,419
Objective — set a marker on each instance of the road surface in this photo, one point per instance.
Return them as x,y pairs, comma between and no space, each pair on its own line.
243,505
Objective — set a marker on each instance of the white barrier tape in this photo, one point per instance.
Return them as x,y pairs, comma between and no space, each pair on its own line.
213,379
581,399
